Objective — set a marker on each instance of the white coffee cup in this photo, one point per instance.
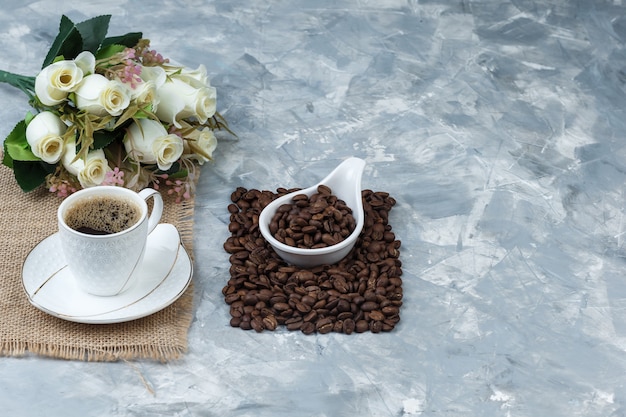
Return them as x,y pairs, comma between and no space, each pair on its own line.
107,264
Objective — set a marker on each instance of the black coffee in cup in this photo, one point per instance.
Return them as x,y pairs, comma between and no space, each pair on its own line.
102,215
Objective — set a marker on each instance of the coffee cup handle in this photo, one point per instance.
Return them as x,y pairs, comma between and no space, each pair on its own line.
157,207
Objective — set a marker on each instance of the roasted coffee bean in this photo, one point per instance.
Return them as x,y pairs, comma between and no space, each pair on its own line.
358,300
390,310
231,298
232,247
278,298
233,208
307,327
324,325
329,239
377,315
343,306
312,222
369,296
310,316
308,300
236,312
395,281
324,189
332,303
345,315
369,306
340,284
376,326
281,306
361,326
228,289
257,324
378,231
338,326
363,292
348,326
294,323
358,315
303,308
250,299
264,295
387,327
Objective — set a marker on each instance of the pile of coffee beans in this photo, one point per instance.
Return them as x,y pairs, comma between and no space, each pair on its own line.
362,292
317,221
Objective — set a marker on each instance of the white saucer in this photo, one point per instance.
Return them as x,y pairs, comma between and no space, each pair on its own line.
165,274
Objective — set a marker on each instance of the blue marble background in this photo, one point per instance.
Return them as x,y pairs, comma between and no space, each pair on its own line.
498,126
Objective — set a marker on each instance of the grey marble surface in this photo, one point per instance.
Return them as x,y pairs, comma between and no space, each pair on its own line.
499,128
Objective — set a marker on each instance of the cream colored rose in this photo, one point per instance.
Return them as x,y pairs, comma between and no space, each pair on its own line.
44,134
100,96
190,76
148,142
56,81
146,93
86,61
200,145
153,78
179,100
91,171
154,74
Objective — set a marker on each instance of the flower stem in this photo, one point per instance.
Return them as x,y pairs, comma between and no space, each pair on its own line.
25,83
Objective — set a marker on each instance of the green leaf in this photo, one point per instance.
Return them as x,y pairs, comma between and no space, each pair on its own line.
175,171
174,168
28,117
6,158
145,113
103,138
16,145
128,40
30,175
93,32
109,51
68,42
179,174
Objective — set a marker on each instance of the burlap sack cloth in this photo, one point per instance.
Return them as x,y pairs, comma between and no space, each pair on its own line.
25,220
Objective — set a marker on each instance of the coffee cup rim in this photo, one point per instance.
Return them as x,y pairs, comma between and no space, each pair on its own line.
102,189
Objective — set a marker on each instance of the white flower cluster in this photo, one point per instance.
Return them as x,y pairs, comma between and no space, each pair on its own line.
174,94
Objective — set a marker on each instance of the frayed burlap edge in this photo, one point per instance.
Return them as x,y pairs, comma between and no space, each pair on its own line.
108,354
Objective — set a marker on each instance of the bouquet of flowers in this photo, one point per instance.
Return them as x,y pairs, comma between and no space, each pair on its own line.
111,111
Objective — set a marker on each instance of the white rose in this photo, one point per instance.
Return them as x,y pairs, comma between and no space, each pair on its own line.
86,61
200,145
56,81
45,136
100,96
189,76
154,74
180,100
146,93
91,171
148,142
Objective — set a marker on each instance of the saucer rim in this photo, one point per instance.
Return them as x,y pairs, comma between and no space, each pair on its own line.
182,260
